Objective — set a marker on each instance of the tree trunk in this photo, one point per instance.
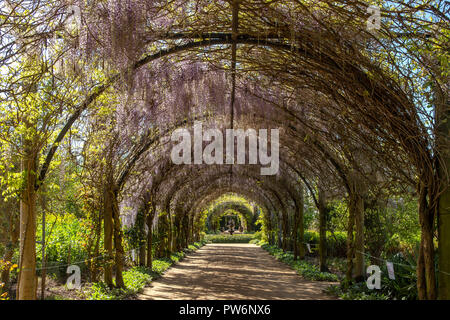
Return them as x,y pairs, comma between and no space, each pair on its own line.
44,257
420,270
359,239
426,277
5,272
323,212
285,228
170,245
9,250
119,251
94,265
301,225
295,233
350,244
108,237
27,283
140,224
355,247
443,147
142,254
150,216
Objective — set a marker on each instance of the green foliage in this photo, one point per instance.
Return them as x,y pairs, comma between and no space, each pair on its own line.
236,238
193,247
310,213
263,222
357,291
160,265
135,280
257,238
393,227
135,236
258,235
67,243
402,288
305,269
5,265
337,215
137,277
338,264
336,242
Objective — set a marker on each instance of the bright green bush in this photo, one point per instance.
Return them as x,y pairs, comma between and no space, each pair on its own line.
336,242
236,238
135,280
160,265
258,235
67,241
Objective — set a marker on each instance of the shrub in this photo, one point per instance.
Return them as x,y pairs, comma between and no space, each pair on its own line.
336,242
236,238
160,265
134,278
63,245
402,288
356,291
305,269
257,235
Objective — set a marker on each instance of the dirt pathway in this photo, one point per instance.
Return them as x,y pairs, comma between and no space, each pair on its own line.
233,271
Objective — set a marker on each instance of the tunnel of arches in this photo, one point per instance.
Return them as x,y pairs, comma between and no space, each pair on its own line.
351,126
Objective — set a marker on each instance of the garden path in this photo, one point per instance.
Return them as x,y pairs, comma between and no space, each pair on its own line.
233,272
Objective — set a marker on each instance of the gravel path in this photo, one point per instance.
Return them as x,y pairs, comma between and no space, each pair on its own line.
233,271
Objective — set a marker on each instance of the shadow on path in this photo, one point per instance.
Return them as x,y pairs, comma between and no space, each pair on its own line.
233,271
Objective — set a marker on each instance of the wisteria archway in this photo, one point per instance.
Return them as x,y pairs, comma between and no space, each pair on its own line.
359,109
